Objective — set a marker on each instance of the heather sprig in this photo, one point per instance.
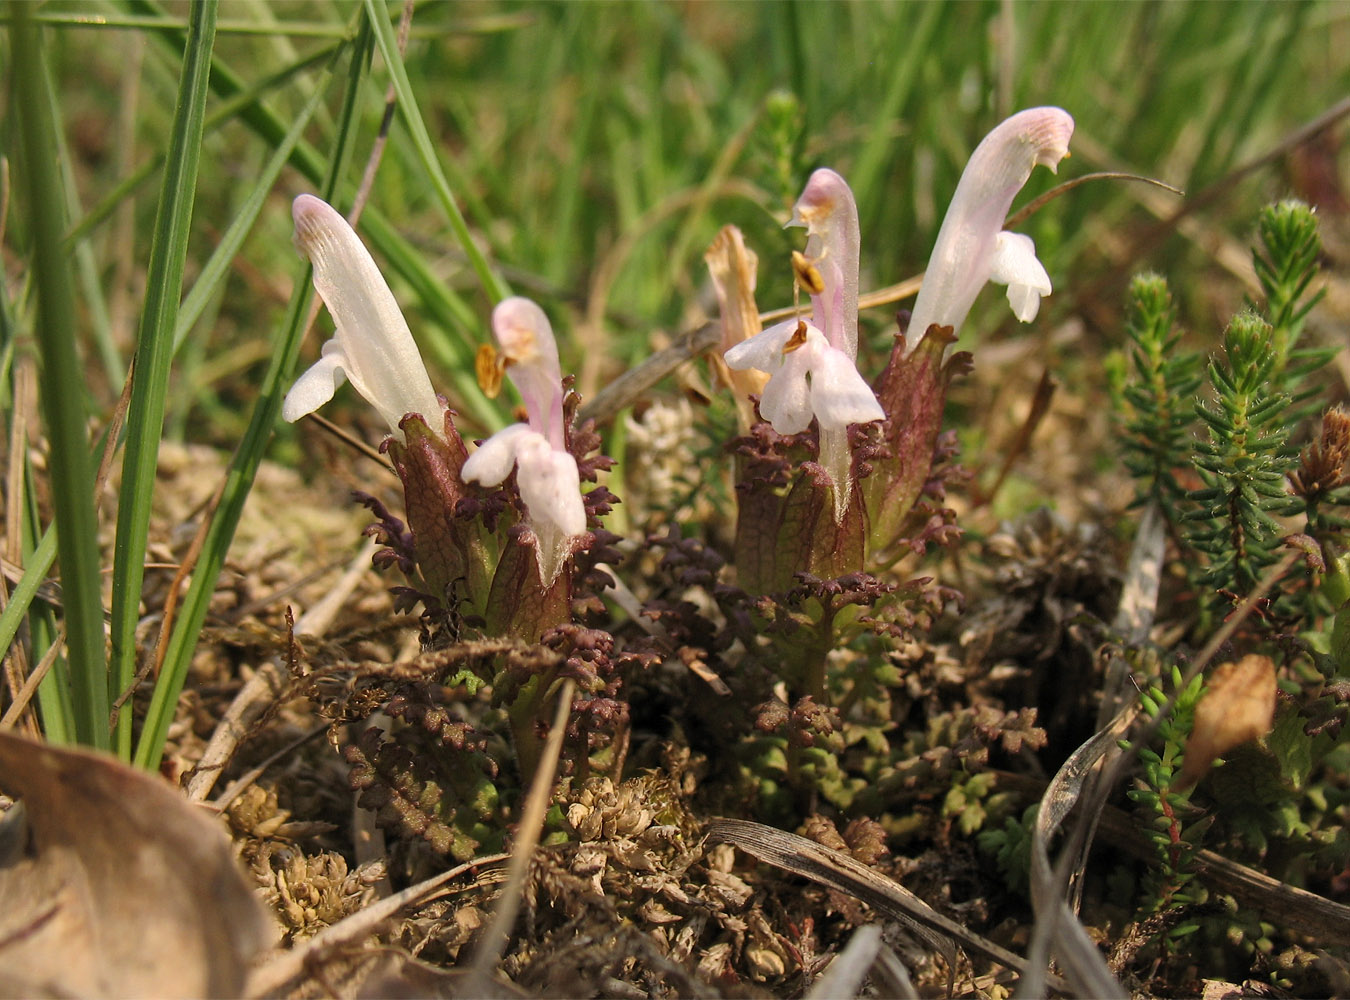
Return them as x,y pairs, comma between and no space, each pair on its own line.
1174,829
1156,404
1243,461
1286,264
1234,422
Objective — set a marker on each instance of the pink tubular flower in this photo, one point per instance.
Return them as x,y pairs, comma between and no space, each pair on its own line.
811,366
546,472
972,247
371,344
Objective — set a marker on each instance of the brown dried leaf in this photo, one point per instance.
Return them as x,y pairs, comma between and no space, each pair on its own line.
1238,705
124,890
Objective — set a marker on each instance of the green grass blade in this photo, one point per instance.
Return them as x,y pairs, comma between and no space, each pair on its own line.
154,352
218,266
115,22
87,272
56,705
866,174
39,564
378,16
62,389
243,467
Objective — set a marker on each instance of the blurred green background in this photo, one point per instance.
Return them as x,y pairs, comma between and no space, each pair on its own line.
596,148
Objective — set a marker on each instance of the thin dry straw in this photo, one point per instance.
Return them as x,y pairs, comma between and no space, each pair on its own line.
531,824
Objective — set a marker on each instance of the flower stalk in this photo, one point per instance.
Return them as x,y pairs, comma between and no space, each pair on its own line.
466,549
971,249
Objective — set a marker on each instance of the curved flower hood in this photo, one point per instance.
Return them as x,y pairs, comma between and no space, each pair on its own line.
971,246
371,344
546,472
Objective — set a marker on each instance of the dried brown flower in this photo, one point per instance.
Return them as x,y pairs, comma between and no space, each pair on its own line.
1323,465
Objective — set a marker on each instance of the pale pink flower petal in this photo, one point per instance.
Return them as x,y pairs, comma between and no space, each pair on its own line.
546,473
819,378
839,395
496,457
827,209
372,344
317,384
786,403
525,338
963,256
1016,266
550,486
764,351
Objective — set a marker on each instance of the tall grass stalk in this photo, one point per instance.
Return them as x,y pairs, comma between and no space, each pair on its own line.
154,352
244,465
86,268
62,392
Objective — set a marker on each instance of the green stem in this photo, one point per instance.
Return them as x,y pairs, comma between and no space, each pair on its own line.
817,656
530,708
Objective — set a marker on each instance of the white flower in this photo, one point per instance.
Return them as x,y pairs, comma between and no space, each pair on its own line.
807,378
811,366
546,472
371,345
971,246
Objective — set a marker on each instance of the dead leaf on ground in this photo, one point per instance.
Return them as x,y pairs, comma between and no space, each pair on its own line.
1238,705
117,887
